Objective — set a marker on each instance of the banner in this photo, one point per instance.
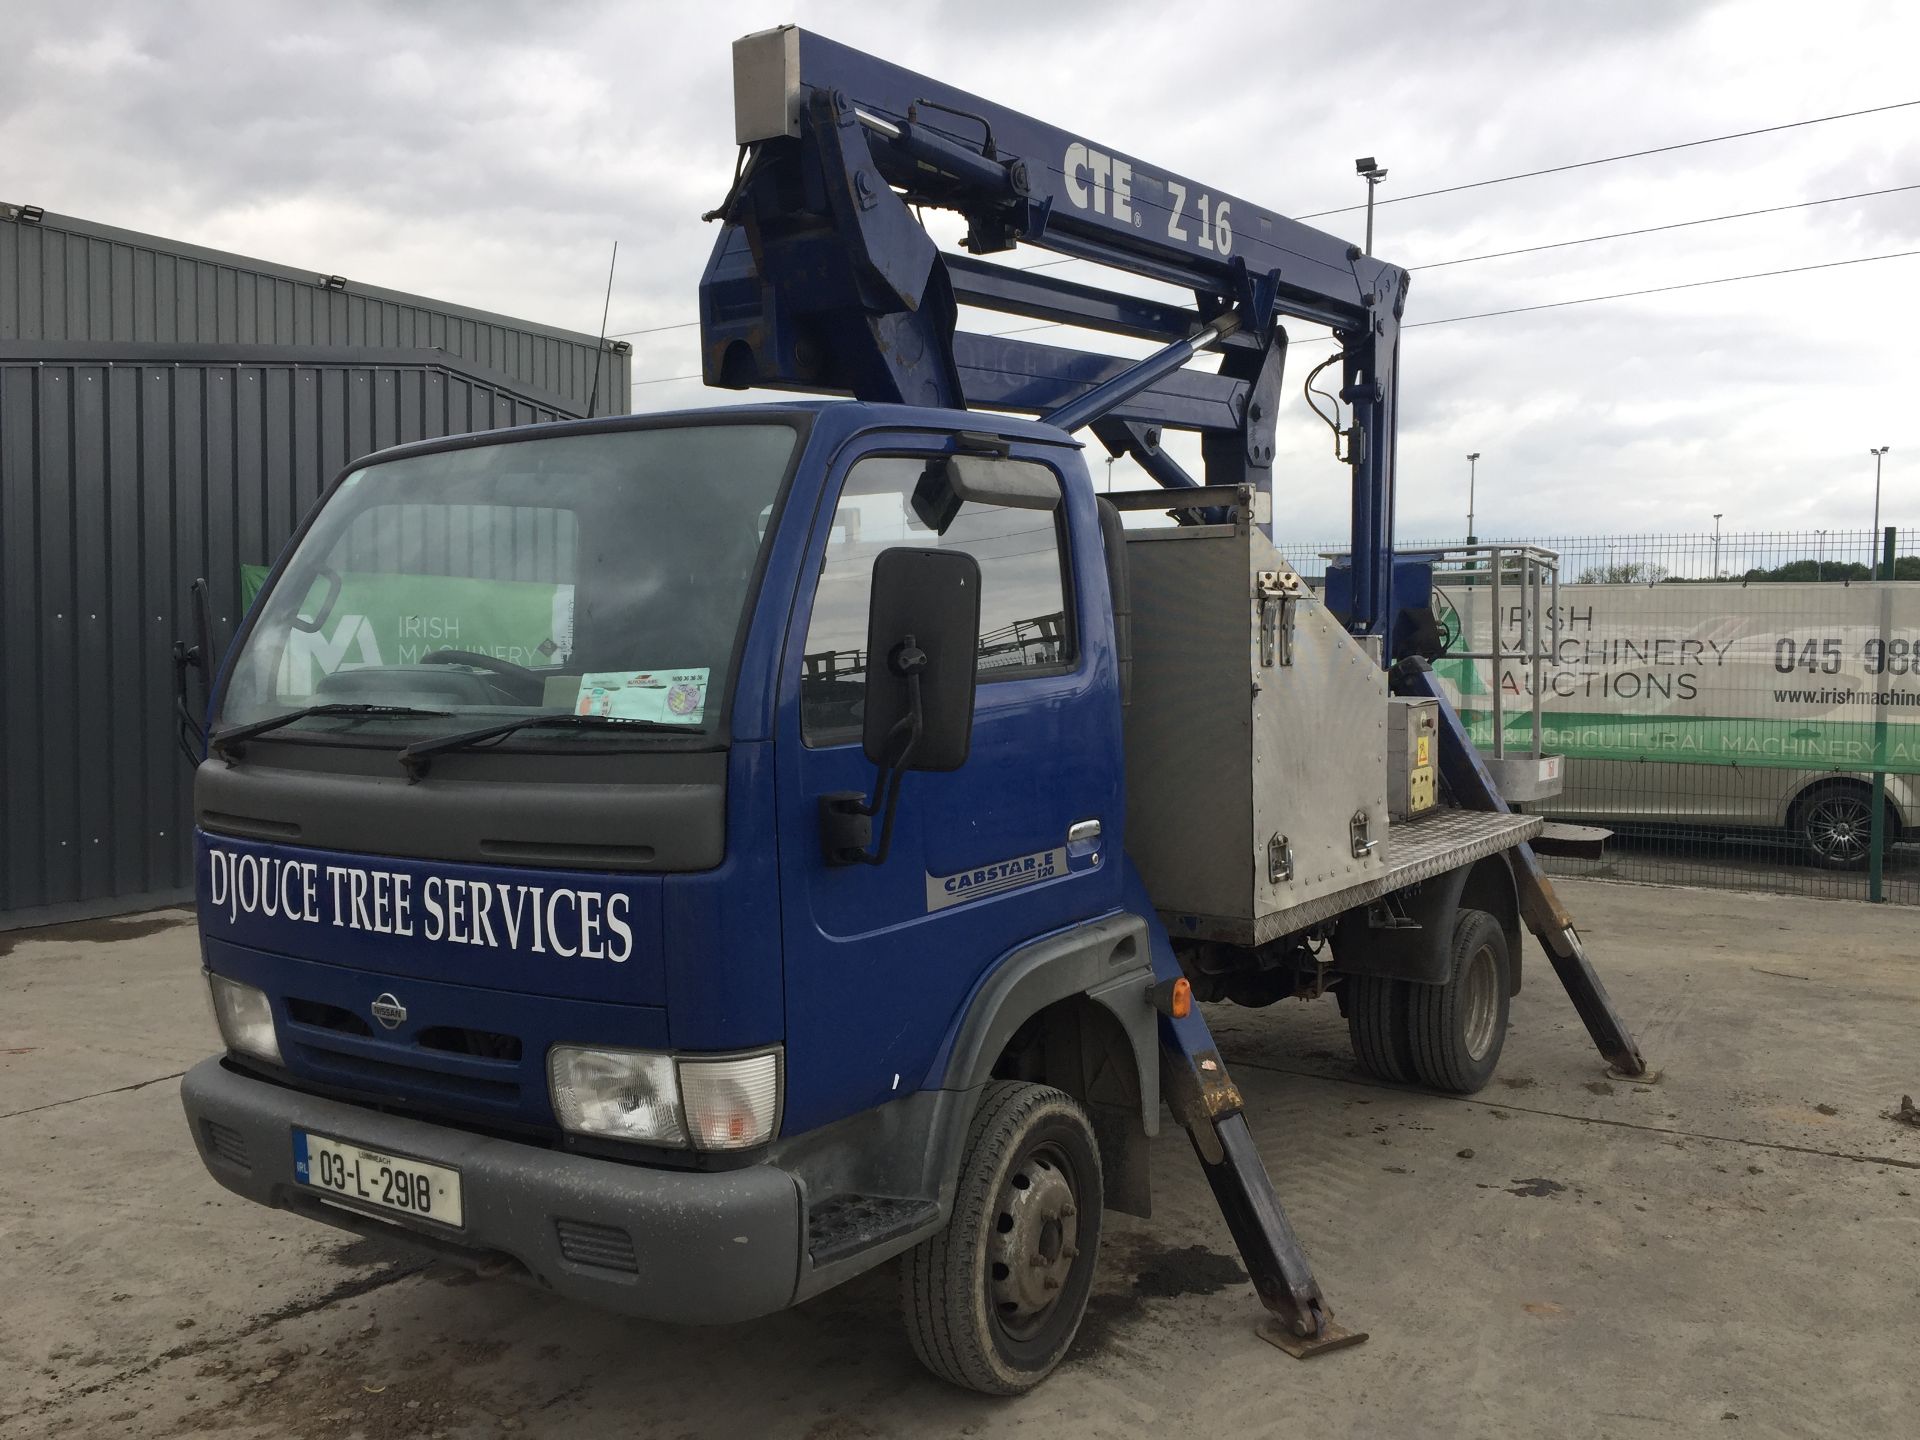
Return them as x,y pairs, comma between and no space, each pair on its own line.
397,619
1797,676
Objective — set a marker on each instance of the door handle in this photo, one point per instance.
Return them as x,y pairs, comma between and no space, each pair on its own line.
1082,830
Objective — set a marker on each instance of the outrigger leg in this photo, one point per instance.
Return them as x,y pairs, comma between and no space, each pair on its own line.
1473,787
1205,1100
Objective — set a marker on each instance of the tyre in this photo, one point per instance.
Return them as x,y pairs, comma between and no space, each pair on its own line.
1834,823
993,1301
1377,1025
1455,1030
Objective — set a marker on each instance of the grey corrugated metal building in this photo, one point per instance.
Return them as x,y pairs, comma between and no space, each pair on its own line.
168,412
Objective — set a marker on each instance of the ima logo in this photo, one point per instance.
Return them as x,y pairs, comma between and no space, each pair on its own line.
1096,180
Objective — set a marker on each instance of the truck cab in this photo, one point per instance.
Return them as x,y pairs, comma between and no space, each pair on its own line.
600,979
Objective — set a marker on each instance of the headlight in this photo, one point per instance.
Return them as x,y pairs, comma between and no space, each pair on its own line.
245,1018
722,1104
627,1094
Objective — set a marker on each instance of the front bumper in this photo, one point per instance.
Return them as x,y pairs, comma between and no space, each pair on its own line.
700,1248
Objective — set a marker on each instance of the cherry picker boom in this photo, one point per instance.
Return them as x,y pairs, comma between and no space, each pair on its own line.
823,280
841,877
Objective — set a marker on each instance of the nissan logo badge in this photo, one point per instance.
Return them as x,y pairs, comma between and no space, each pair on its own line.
388,1010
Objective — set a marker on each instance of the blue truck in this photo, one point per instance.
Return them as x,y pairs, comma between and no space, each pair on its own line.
684,861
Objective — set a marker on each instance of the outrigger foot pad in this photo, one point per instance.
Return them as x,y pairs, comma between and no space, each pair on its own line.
1630,1077
1305,1347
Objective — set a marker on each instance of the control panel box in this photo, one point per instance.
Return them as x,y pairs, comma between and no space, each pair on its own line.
1413,757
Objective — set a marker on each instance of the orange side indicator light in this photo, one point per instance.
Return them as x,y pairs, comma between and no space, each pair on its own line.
1172,998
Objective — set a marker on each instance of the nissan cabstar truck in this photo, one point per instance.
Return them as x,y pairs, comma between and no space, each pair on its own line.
683,861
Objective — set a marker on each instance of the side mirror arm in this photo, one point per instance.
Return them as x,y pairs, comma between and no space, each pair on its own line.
190,732
846,816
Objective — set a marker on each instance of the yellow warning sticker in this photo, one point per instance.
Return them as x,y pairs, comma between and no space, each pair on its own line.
1422,749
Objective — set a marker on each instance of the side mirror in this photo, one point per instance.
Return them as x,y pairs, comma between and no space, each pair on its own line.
923,645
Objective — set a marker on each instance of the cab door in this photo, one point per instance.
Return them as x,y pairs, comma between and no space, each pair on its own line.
879,959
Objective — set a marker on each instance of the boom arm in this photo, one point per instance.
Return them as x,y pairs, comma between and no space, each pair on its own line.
823,279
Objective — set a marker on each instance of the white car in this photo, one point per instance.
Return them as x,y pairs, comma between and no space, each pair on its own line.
1827,813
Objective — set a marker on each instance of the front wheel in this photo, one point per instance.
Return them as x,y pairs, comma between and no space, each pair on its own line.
993,1301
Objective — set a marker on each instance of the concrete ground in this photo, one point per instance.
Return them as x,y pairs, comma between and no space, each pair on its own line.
1734,1251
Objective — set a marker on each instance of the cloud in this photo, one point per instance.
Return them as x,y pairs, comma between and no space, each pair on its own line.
490,152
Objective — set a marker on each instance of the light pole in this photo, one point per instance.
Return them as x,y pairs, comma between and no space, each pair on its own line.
1874,568
1716,542
1820,556
1373,172
1473,466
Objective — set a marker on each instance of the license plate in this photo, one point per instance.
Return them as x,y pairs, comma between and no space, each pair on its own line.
388,1182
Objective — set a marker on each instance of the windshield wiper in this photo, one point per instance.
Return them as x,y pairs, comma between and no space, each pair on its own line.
416,758
222,743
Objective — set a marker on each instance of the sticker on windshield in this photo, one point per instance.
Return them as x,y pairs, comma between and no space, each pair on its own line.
667,697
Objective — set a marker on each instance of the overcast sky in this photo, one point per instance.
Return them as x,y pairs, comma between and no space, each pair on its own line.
489,153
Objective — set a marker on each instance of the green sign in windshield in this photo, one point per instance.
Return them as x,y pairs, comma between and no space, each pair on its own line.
398,619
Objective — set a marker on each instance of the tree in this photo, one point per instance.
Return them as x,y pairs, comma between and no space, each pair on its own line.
1805,570
1624,572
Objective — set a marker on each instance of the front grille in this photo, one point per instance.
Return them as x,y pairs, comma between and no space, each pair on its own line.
605,1247
322,1016
458,1063
226,1142
405,1079
463,1040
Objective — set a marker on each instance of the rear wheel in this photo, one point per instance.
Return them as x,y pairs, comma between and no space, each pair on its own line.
1377,1025
994,1300
1456,1029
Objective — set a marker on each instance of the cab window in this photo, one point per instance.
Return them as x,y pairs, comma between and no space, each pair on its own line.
1025,627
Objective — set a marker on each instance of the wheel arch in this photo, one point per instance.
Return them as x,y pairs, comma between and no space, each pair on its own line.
1423,954
1071,1011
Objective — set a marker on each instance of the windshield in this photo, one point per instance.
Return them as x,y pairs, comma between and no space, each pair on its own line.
583,575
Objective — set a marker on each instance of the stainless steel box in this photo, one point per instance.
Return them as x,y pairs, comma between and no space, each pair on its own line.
1413,756
1256,738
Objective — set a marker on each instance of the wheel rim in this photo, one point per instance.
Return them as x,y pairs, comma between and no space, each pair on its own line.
1480,1002
1838,827
1035,1240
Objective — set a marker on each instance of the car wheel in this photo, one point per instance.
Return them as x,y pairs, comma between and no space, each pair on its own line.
1835,825
993,1301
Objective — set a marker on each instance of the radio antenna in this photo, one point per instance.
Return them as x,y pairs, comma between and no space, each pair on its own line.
593,397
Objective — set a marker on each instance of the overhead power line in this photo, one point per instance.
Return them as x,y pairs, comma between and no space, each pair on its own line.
654,330
1504,179
1661,289
1613,159
1656,229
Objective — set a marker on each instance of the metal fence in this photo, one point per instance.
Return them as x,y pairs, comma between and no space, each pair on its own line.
1725,703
